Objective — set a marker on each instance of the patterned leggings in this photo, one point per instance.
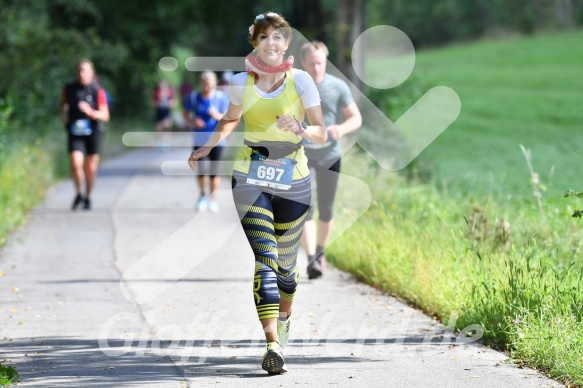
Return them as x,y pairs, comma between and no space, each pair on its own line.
273,221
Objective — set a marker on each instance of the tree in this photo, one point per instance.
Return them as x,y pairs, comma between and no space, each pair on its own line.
564,13
350,23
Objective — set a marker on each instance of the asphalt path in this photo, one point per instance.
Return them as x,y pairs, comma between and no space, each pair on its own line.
142,291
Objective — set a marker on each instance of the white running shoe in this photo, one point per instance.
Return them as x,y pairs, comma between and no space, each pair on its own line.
213,206
201,204
283,331
273,361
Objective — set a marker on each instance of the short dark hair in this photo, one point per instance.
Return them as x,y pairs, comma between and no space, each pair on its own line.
270,19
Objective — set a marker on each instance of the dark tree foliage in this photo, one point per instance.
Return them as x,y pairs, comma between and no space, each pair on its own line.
35,56
133,36
41,41
430,23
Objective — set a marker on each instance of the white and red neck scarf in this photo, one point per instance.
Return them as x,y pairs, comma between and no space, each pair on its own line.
255,65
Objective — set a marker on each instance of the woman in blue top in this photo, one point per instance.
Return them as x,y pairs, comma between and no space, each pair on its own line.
202,111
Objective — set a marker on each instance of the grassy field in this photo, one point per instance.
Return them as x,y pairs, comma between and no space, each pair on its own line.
522,91
470,236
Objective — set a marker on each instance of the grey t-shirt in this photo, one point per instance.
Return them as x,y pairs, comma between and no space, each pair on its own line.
334,96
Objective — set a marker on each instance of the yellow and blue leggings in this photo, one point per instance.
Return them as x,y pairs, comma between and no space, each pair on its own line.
273,221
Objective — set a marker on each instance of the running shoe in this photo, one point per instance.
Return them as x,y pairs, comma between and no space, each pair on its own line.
77,201
283,331
314,268
273,361
165,147
201,204
322,259
213,206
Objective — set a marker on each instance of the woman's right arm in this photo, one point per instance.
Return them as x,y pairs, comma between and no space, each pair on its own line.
226,125
223,129
316,131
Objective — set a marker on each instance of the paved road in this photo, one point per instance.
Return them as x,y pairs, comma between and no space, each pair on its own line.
143,292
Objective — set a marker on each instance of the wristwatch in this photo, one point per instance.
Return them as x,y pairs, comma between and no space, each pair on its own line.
302,127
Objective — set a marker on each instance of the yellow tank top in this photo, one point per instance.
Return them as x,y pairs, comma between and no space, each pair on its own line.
259,115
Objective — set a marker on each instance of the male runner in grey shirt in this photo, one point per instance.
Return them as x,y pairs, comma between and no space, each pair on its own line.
324,160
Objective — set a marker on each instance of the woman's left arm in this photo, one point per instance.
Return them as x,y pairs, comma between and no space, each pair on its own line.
316,131
102,111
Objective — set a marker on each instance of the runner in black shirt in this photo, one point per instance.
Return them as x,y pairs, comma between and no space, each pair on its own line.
84,109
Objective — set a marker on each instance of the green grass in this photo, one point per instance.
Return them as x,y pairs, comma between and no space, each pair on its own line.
522,91
30,164
469,236
414,242
24,175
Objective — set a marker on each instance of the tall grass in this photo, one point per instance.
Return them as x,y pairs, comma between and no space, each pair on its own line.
476,225
30,164
24,175
443,253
